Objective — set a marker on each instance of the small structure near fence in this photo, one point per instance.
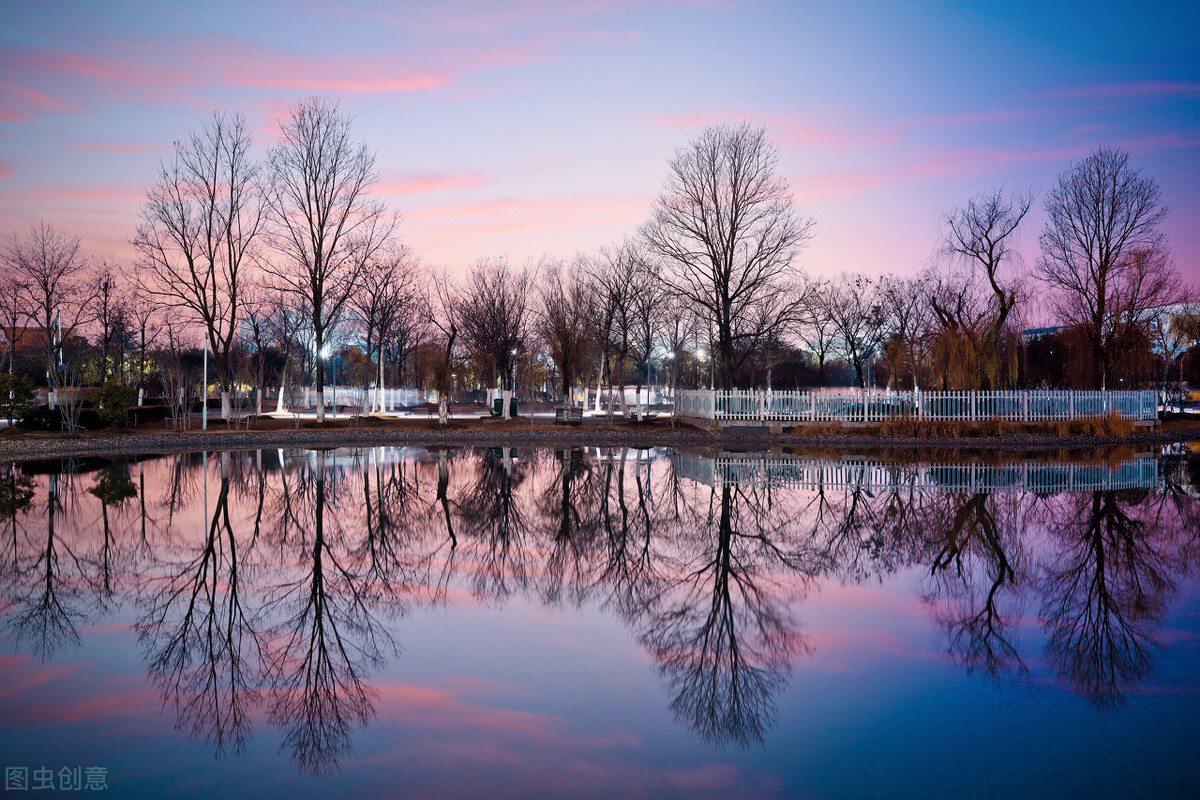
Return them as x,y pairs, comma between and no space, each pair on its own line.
717,408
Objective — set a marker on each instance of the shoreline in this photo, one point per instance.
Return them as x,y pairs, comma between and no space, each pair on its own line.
41,447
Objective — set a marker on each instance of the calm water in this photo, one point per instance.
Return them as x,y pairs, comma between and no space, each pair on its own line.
601,623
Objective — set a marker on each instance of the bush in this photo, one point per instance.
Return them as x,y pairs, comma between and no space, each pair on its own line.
40,418
115,398
16,396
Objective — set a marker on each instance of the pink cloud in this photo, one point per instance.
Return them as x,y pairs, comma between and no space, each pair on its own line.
320,79
126,72
17,102
429,183
5,170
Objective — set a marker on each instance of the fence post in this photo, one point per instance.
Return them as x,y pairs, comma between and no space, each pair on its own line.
1071,404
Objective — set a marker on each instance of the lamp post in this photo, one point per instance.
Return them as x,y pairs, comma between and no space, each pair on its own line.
204,402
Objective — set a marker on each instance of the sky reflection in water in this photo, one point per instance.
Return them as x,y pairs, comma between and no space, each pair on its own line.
404,622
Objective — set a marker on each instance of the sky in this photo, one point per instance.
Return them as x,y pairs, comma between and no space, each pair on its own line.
542,127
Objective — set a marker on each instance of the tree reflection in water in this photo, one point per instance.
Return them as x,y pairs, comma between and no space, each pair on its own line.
287,596
1105,590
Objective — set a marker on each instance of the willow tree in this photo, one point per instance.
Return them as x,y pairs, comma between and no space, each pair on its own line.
974,300
729,236
325,227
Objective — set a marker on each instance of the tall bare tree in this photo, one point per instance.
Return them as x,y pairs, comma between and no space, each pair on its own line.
326,228
730,237
200,224
1103,254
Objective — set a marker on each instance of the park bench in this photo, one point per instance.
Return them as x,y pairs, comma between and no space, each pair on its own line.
573,416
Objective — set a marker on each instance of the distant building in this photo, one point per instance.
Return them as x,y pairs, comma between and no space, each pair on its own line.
1033,334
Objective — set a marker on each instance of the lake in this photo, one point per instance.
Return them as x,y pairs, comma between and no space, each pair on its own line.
593,622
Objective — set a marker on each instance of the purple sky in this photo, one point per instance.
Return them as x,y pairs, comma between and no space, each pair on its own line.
538,126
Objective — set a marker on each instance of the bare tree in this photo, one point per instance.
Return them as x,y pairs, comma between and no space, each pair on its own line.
816,325
648,306
388,285
285,323
111,312
177,369
566,323
857,314
326,229
441,310
975,303
256,342
610,274
495,316
1103,254
146,326
678,332
729,235
14,309
47,262
1173,330
199,228
906,313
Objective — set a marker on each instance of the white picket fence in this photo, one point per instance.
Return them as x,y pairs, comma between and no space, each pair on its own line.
875,405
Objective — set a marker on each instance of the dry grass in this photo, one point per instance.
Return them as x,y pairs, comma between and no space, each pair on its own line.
1112,426
911,428
820,429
